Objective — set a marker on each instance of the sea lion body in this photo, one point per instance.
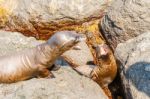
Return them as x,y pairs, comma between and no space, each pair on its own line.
105,73
34,62
18,66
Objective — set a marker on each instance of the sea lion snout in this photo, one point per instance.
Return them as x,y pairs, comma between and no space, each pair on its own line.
80,38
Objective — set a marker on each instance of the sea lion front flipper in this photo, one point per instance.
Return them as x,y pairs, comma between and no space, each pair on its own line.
45,73
76,47
85,70
55,67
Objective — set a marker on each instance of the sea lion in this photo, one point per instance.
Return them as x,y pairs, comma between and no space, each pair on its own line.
106,72
34,62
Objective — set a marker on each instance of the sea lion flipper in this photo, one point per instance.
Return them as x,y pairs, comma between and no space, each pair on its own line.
51,75
85,70
55,67
76,47
45,73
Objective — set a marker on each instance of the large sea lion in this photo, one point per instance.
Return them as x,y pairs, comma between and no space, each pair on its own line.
34,62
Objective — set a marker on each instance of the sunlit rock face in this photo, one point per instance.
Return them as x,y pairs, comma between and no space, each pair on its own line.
41,18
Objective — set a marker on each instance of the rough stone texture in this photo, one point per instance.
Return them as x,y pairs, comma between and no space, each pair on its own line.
11,42
45,16
134,56
126,19
67,85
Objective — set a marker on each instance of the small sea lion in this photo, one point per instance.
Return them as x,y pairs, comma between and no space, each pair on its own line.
106,72
34,62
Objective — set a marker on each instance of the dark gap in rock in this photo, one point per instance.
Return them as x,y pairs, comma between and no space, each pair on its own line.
116,88
90,63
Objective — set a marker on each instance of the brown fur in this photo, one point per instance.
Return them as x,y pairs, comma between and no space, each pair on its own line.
105,73
35,61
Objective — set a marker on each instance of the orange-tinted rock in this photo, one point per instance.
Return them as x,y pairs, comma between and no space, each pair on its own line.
42,18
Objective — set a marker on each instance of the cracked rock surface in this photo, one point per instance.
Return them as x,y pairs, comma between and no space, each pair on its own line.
134,56
126,19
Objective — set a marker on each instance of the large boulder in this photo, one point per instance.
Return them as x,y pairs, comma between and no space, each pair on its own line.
13,41
134,56
126,19
68,84
41,18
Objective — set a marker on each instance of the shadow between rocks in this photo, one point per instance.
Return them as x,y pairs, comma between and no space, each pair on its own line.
139,75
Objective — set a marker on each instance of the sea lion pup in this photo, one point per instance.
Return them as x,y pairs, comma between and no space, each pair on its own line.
34,62
106,72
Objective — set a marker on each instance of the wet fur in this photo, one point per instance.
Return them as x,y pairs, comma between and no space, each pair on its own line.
106,72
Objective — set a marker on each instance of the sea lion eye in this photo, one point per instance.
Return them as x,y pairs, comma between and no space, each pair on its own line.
77,39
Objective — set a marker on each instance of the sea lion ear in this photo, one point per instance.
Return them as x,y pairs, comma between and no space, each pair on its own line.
76,47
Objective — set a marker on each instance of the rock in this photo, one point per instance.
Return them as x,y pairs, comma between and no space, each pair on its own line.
42,18
126,19
11,42
80,59
67,85
134,56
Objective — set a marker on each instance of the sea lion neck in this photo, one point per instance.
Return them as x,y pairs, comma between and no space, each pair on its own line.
47,55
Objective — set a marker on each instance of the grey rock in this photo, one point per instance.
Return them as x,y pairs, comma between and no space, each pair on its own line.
14,41
55,9
67,85
79,57
134,56
126,19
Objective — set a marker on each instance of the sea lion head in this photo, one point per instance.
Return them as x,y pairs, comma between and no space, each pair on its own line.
102,51
65,40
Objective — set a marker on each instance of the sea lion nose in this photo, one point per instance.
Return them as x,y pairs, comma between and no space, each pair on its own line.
103,53
80,37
